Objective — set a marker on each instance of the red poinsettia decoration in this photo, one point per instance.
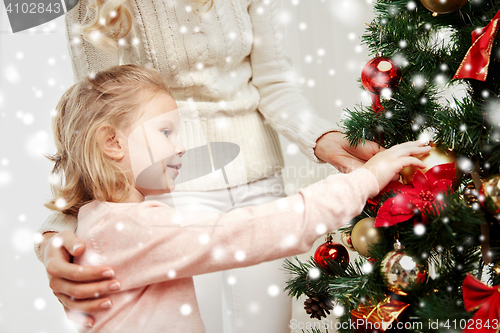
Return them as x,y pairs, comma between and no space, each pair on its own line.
426,191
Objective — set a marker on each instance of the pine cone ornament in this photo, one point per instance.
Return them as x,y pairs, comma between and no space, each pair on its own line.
318,306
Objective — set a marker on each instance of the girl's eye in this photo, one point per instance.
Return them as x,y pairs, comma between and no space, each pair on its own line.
165,132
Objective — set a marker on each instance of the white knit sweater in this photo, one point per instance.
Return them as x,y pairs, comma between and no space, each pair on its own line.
228,70
232,63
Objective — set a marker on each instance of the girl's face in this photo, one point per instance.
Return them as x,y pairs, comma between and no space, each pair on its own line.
154,153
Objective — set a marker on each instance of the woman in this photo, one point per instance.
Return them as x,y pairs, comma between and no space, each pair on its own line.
226,65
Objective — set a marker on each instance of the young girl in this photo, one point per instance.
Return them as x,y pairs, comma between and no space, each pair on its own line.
110,129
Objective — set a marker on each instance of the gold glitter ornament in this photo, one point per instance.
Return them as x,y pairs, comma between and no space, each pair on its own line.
489,194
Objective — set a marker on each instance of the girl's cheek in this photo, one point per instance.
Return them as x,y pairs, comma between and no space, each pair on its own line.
138,150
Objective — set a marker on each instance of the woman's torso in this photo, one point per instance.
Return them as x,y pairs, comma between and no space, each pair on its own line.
205,60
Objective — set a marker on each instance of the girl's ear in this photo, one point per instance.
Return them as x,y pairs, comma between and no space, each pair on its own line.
111,143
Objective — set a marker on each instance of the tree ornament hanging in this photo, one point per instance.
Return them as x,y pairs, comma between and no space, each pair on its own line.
435,157
378,74
400,271
489,195
345,239
318,306
442,6
331,251
364,236
378,318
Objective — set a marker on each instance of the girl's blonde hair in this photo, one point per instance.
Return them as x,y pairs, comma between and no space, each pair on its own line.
106,103
110,20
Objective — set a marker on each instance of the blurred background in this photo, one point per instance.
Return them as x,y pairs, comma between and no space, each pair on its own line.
35,69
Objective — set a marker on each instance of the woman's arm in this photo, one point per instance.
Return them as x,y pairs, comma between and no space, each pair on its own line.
282,102
145,246
281,99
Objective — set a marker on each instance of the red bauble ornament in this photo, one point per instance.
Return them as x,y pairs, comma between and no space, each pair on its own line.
331,251
378,74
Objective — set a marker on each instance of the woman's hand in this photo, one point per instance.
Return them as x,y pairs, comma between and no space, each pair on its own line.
333,148
76,287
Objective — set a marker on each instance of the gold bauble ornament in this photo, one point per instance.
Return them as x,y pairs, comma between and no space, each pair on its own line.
364,236
435,157
489,194
401,271
443,6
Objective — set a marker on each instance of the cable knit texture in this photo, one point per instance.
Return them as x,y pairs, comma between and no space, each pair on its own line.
155,250
230,73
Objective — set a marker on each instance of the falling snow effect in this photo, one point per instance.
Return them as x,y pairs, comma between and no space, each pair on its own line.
56,241
204,239
338,310
39,304
25,167
11,74
289,241
186,309
314,273
367,267
38,144
253,307
240,255
419,229
5,178
171,274
22,240
321,229
273,290
231,280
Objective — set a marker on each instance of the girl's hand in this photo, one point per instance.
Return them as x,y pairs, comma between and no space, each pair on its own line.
387,165
76,287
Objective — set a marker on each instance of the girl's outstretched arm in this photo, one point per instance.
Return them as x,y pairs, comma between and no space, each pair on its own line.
145,243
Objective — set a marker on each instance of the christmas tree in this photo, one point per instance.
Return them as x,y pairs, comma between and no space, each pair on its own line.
429,244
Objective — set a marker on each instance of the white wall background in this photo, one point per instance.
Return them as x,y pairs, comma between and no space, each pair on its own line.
324,40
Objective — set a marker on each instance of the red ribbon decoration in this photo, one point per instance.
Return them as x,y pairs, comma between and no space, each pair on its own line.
477,59
486,299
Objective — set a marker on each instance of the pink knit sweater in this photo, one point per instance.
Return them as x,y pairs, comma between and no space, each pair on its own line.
155,250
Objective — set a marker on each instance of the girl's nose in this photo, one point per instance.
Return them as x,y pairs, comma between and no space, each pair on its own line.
180,149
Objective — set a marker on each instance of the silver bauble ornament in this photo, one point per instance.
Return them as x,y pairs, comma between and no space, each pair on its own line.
401,271
345,239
